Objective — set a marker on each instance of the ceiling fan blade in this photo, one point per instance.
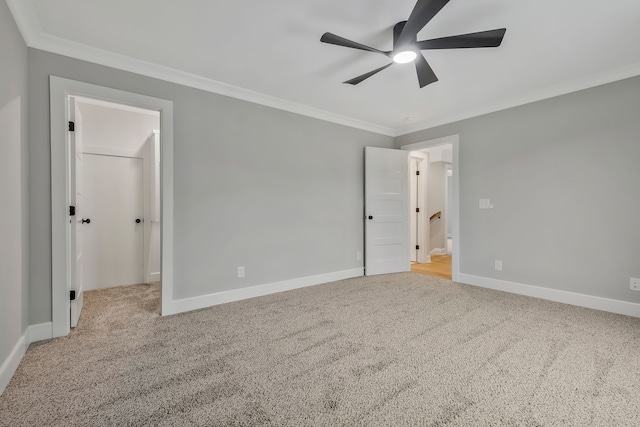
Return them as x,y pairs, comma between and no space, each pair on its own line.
491,38
365,76
422,13
341,41
425,73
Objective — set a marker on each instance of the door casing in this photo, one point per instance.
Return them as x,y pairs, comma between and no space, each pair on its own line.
59,91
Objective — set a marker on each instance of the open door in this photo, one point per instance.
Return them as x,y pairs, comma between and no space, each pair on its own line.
386,202
76,220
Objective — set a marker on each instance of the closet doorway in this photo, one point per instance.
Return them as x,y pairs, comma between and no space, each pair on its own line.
121,229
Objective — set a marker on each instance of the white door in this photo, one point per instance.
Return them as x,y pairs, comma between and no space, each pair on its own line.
75,222
114,252
386,201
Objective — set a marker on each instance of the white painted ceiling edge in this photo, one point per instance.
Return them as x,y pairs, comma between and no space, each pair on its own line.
31,30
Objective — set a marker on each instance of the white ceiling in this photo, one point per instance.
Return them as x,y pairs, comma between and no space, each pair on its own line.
270,52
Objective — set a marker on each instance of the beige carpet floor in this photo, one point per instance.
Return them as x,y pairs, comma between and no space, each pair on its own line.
394,350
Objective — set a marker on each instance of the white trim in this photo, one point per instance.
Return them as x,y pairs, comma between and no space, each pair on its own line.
423,237
110,151
33,333
454,217
572,298
188,304
10,365
155,277
599,79
27,21
60,90
42,331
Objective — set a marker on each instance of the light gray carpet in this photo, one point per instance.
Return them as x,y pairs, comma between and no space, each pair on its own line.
402,349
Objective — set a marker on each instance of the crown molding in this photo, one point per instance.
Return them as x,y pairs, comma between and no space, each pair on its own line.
27,20
576,85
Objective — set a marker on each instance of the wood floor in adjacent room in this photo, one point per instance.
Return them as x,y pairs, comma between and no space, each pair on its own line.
440,266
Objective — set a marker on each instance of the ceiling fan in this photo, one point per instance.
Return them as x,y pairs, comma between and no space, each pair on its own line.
406,48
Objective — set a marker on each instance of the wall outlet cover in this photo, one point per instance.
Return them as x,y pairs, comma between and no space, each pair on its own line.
498,265
635,284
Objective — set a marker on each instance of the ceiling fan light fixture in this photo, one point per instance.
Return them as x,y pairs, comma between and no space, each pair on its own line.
404,57
407,48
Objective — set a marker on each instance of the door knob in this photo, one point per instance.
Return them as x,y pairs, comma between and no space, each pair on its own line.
370,216
138,220
88,221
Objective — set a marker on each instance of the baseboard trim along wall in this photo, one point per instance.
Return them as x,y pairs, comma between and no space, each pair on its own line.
33,333
572,298
10,365
188,304
42,331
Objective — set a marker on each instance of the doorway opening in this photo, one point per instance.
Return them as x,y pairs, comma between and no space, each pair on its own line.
434,207
120,216
71,148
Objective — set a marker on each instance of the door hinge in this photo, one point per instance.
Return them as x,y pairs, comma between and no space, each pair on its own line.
72,295
72,126
72,211
417,209
417,172
417,247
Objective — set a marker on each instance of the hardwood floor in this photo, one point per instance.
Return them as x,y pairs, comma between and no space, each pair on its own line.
439,266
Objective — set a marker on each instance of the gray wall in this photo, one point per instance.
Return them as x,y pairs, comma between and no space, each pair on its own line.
14,273
564,178
278,193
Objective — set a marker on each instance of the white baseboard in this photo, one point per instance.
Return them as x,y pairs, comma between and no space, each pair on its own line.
573,298
42,331
188,304
438,251
154,277
10,365
33,333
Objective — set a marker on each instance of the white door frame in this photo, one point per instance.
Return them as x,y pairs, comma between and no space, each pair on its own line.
423,232
59,90
454,216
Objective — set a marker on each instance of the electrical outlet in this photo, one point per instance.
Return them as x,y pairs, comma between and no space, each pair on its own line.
498,265
241,272
635,284
359,256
